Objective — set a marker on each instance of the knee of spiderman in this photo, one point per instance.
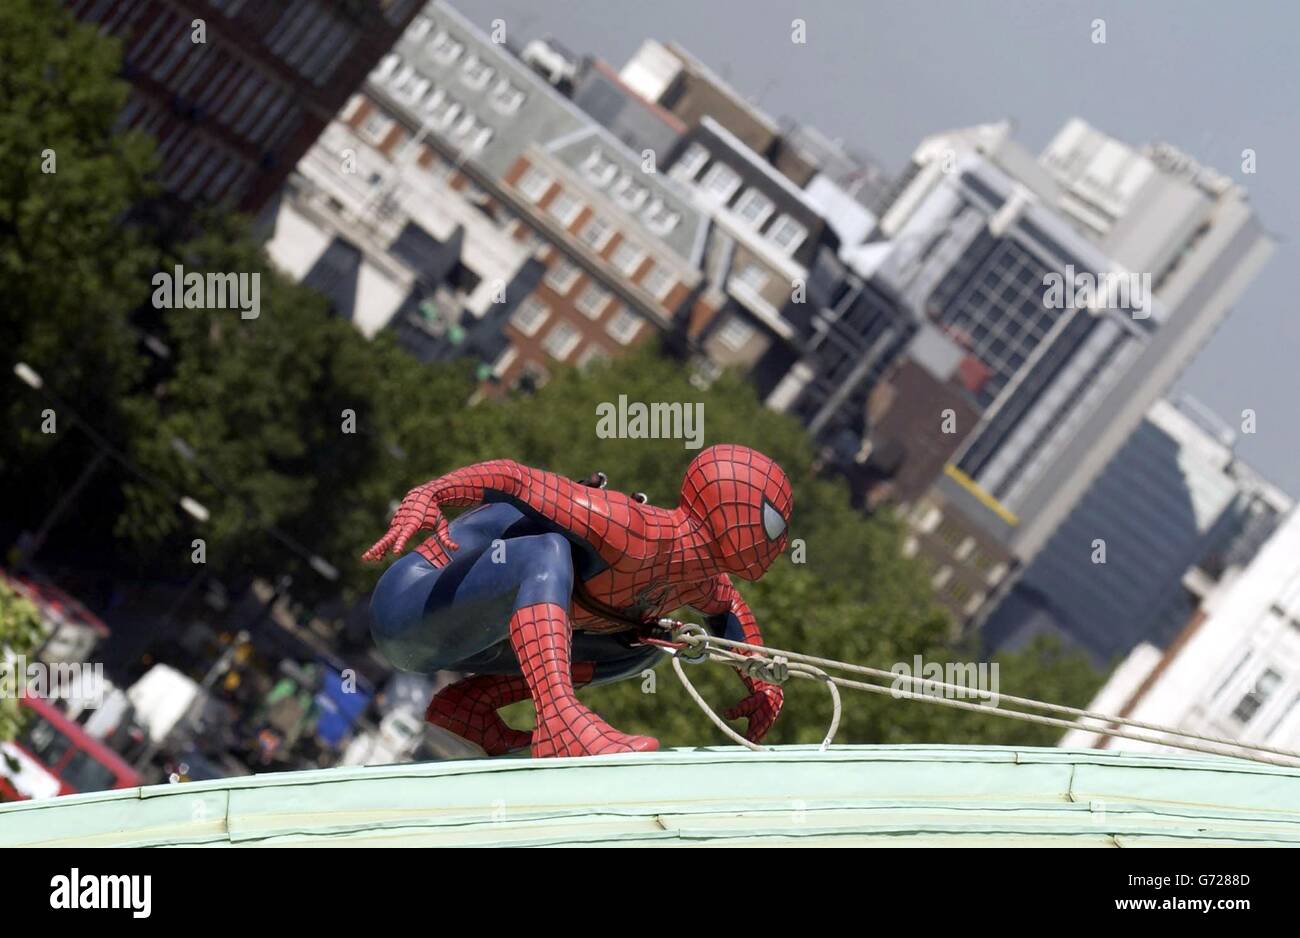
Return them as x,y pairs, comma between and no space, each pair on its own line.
549,577
554,552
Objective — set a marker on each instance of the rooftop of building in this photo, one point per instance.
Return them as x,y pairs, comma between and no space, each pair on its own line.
851,795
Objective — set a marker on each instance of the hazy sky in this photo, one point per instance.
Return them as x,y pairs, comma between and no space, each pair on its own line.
1212,78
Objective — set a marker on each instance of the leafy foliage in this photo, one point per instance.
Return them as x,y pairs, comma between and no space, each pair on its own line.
69,270
20,633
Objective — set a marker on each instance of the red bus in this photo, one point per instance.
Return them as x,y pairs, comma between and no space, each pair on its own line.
55,756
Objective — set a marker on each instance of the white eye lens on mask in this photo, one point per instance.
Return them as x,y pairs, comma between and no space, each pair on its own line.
773,523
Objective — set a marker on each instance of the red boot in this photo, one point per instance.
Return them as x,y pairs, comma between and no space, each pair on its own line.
468,708
541,639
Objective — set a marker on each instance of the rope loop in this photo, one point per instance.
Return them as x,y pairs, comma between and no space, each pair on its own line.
696,639
775,670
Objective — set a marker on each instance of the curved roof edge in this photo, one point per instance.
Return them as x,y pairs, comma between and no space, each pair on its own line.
849,795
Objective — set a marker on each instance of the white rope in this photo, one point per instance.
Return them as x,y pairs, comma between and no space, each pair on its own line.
740,662
712,648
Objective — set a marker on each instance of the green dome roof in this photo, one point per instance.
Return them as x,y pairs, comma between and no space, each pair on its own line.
851,795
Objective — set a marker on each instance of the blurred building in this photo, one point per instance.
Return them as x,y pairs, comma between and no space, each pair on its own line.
966,242
1234,670
449,116
1172,510
234,113
786,204
395,239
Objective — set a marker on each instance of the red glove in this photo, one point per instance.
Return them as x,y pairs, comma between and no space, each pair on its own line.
761,707
420,510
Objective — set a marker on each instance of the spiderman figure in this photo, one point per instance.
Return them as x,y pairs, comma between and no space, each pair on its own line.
544,586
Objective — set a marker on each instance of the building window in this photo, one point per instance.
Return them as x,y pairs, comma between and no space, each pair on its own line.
592,301
659,218
387,65
624,325
435,100
1257,696
445,49
451,115
507,98
754,277
658,282
599,168
735,333
565,207
410,84
787,234
534,183
720,182
690,163
591,355
596,233
754,207
466,125
405,74
628,194
626,258
530,316
562,276
561,341
376,127
476,73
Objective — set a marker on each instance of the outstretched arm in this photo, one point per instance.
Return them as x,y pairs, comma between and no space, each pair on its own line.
552,496
730,616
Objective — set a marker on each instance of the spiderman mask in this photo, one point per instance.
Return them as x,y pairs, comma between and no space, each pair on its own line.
742,500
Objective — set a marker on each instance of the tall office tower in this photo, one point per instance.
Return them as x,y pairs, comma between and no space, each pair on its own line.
236,91
1174,500
1234,670
1081,282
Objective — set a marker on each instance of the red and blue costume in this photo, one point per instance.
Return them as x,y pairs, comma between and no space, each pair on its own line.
541,589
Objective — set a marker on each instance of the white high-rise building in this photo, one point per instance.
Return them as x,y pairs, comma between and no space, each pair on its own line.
1174,498
975,230
1235,669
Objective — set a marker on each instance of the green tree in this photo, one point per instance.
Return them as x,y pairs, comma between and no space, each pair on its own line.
296,423
20,632
69,270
